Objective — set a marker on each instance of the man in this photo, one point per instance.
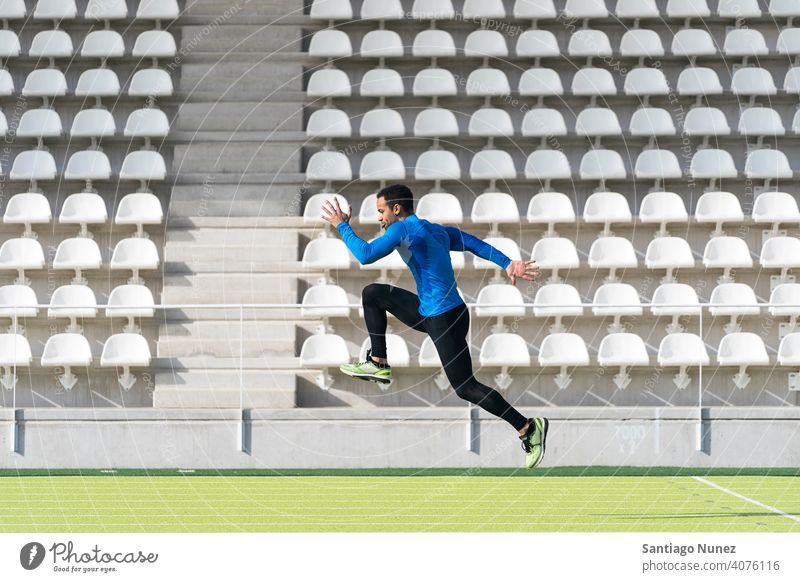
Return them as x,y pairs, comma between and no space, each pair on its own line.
439,310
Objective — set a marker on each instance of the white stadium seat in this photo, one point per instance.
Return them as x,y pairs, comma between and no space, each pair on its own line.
652,122
21,254
382,122
675,300
15,352
106,10
688,9
28,208
40,123
495,208
77,254
66,350
789,42
158,83
593,82
682,350
742,349
612,252
492,165
767,164
331,10
12,9
718,208
589,43
322,301
323,351
382,165
775,208
745,42
616,300
662,208
433,44
540,83
98,83
543,122
585,9
328,166
83,208
46,83
382,10
534,9
34,165
606,208
130,301
328,83
330,44
657,165
727,252
434,82
154,44
490,122
125,350
753,81
135,254
88,165
437,165
699,81
148,122
546,165
637,9
713,164
791,83
738,9
381,44
440,207
157,10
6,83
644,82
396,350
436,122
784,9
103,44
706,121
556,253
557,300
563,350
73,302
499,300
485,43
368,214
429,357
602,165
16,302
506,350
550,208
670,253
55,10
597,122
693,42
483,9
537,44
9,44
733,300
789,350
312,213
143,166
780,252
786,301
328,123
432,10
624,350
94,123
505,245
326,253
51,44
641,43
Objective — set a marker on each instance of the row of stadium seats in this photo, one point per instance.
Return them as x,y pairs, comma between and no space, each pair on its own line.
50,83
566,350
539,82
604,208
591,122
546,9
95,10
608,252
101,44
83,208
547,164
93,123
90,165
78,254
583,43
72,350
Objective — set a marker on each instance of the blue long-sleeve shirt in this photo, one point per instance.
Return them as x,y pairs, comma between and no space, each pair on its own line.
425,247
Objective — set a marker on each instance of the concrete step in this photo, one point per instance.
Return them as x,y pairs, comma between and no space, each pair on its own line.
230,75
211,198
201,388
274,339
236,158
229,287
229,236
233,257
221,11
241,116
258,39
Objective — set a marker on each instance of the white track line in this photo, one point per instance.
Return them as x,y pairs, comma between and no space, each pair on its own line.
753,501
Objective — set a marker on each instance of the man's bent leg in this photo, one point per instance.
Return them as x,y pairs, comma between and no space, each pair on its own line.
377,299
449,334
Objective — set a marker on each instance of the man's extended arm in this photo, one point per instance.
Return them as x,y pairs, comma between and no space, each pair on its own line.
369,252
463,241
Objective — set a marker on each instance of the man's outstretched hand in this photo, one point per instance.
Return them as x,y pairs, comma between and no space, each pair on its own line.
527,270
333,213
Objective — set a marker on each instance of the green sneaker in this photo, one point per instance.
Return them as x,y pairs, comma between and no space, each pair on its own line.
368,370
533,443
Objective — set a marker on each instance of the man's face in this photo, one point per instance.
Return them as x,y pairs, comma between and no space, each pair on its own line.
386,215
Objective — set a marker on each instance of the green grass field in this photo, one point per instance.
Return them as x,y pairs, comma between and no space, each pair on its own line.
566,500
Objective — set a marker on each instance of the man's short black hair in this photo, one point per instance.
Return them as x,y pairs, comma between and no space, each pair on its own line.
399,194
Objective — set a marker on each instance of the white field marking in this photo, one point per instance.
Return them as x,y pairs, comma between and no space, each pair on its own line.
742,497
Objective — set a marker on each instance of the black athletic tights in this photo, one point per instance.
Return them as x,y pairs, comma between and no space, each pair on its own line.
449,334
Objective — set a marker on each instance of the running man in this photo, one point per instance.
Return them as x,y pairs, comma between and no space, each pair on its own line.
439,310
